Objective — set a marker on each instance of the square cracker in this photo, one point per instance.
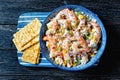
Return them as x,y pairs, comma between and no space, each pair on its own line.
20,38
32,42
32,54
36,27
17,45
28,32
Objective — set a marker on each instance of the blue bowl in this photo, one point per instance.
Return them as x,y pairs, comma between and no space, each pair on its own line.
91,15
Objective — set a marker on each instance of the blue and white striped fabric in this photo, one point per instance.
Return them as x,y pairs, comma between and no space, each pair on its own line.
22,21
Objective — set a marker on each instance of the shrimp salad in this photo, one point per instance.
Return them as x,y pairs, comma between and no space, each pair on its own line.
72,38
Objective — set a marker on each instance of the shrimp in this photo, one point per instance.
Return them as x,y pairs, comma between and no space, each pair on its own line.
81,41
83,44
71,37
51,40
96,30
67,14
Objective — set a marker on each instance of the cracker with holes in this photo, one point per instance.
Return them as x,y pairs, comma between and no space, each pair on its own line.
32,42
26,35
32,54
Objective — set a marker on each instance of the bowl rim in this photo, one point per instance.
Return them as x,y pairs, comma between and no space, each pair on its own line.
100,50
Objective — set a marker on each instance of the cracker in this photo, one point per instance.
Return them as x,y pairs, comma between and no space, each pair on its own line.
17,45
32,42
20,38
32,54
36,27
27,34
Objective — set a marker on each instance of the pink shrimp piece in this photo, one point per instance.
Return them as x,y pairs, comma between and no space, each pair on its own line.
84,44
97,30
52,42
67,14
50,39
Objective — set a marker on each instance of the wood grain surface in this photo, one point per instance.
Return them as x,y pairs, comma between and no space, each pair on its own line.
109,65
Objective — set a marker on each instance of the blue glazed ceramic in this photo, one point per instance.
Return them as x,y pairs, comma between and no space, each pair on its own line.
91,16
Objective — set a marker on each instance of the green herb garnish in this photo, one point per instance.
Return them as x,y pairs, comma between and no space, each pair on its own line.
87,36
59,48
71,33
77,61
78,13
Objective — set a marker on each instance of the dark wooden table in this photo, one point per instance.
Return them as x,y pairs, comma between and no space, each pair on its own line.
109,65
